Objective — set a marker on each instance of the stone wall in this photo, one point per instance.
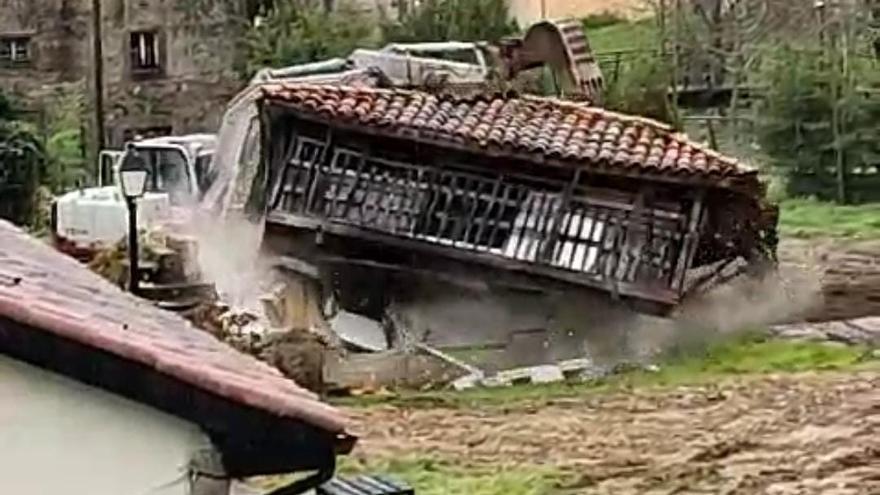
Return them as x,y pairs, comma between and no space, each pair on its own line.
198,50
58,31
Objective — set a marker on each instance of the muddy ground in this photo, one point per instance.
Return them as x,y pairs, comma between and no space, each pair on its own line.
795,434
784,434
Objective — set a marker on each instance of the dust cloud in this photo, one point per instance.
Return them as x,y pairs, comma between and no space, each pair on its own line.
745,303
229,257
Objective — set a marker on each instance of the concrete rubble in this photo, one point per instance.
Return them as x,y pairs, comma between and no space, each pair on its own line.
861,331
569,370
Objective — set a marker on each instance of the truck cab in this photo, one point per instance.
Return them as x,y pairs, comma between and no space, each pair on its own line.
179,172
179,166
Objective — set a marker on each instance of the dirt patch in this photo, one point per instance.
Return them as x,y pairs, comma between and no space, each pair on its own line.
812,433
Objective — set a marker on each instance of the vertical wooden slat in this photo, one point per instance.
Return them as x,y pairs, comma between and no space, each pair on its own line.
594,215
353,193
449,195
281,195
415,205
525,208
459,218
317,165
335,180
563,233
289,141
385,202
434,191
487,212
499,216
548,250
688,246
472,213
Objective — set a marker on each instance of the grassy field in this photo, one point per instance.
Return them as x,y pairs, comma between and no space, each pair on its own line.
622,36
804,218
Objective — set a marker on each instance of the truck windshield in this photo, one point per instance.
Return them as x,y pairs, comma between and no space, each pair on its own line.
168,173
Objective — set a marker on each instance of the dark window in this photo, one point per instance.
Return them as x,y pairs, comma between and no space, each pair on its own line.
144,52
15,51
204,174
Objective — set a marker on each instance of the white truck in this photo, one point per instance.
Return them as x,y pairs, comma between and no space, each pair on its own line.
180,172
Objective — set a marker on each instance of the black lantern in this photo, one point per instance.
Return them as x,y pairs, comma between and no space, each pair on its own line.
133,177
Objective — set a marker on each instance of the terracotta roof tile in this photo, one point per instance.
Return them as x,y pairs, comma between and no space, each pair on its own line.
49,291
543,127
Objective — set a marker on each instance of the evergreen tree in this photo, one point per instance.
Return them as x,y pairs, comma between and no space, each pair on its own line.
819,125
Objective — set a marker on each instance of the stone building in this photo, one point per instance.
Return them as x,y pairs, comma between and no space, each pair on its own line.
168,65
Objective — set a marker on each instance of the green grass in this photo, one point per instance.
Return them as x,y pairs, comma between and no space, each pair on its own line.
806,218
431,476
635,35
687,365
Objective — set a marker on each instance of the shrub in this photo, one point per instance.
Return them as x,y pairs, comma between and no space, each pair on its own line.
291,33
451,20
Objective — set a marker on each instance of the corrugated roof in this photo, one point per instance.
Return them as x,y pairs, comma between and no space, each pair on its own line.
539,128
48,291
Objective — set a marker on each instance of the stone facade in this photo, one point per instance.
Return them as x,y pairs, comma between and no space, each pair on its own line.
54,36
168,64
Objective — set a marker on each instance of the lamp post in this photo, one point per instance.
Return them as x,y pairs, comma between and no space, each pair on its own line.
133,181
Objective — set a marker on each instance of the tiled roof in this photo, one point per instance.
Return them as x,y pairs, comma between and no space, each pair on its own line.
46,290
531,127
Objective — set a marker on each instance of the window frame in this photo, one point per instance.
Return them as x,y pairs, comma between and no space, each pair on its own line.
150,41
14,45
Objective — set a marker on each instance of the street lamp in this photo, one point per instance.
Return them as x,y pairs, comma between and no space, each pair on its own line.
133,181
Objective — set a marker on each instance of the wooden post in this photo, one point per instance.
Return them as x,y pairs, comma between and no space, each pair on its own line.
98,78
691,239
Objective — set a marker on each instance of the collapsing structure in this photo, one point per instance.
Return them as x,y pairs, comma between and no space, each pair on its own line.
525,190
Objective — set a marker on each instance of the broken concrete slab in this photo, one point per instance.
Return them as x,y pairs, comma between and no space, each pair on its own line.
571,369
360,332
389,369
466,382
546,374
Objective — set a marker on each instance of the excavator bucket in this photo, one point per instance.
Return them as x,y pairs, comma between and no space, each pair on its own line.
563,47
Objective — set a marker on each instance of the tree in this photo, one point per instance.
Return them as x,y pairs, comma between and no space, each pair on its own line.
22,161
291,33
451,20
819,125
643,89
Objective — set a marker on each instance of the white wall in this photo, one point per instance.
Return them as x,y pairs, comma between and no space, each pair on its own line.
58,436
